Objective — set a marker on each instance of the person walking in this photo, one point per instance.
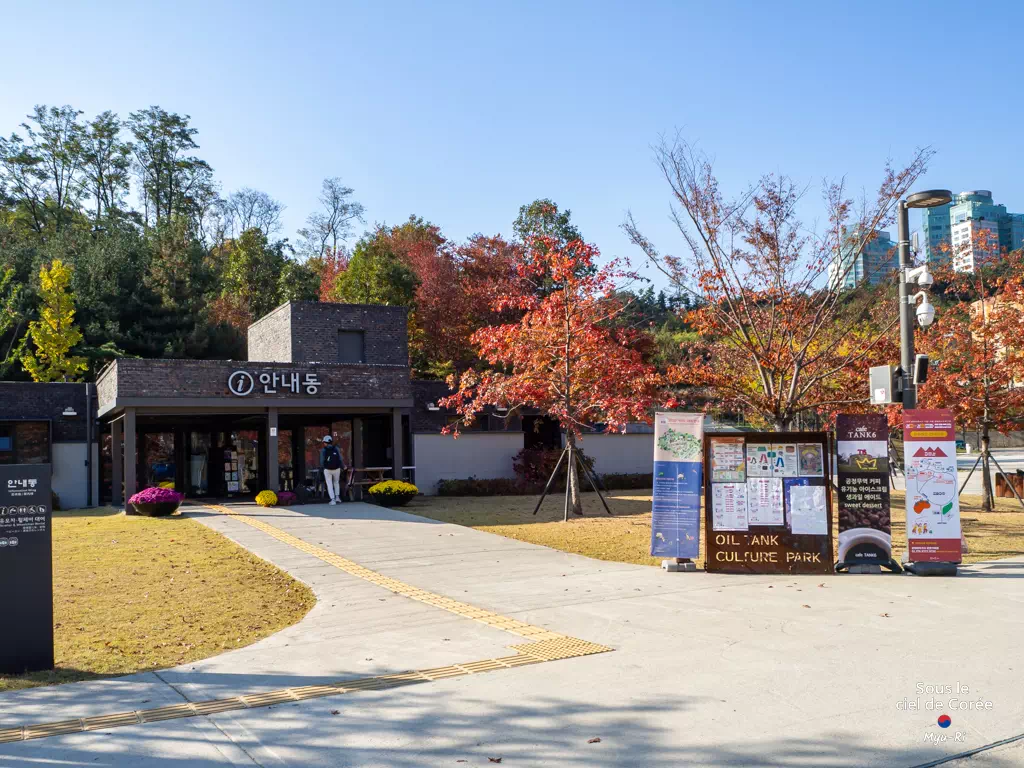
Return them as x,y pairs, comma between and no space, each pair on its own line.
332,463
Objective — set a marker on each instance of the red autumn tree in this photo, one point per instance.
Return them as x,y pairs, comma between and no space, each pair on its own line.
564,356
332,264
778,334
977,342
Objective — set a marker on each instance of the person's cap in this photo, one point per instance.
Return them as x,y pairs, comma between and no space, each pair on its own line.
328,439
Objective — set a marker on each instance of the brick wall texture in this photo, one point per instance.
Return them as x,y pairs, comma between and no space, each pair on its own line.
307,332
37,401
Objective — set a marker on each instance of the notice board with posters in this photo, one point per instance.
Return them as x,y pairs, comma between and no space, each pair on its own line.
933,501
774,515
675,505
862,452
26,568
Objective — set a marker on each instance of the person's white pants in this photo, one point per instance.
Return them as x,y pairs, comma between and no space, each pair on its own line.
332,478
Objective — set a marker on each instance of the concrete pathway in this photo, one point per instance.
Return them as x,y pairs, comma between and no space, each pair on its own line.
707,669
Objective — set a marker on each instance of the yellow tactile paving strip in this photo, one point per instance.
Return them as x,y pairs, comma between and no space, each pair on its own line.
544,646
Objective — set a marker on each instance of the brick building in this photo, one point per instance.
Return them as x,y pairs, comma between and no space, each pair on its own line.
221,427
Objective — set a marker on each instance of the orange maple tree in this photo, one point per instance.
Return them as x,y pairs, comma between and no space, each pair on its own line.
564,356
980,356
778,334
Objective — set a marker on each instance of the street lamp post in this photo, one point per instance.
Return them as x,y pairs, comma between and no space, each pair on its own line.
928,199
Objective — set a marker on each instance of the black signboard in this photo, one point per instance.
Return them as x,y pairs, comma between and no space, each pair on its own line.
767,502
862,461
26,568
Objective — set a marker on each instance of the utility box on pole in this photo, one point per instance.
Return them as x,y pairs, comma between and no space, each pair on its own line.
885,388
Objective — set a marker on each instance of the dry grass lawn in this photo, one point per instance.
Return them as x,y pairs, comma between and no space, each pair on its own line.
140,593
625,536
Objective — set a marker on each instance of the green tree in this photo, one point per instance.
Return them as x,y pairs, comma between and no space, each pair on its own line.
376,275
9,317
172,181
253,271
54,334
542,219
106,164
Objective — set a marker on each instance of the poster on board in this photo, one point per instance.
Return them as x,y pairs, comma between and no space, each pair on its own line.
678,478
728,464
933,504
785,462
764,501
729,507
759,460
862,461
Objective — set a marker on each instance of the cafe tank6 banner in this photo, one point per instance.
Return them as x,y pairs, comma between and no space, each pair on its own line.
678,480
862,453
933,504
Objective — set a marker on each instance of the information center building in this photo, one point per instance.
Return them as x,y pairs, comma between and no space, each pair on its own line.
220,428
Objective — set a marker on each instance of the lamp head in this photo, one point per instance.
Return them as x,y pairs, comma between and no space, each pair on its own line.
929,198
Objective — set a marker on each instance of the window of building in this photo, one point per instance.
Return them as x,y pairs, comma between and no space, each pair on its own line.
351,347
24,442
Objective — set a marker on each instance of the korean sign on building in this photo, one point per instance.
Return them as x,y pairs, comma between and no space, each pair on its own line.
244,383
26,568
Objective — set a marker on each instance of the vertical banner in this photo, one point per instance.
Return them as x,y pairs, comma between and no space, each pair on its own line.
26,569
862,452
678,480
933,503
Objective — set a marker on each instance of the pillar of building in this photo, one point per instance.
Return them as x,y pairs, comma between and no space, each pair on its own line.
357,442
116,463
130,459
396,443
273,475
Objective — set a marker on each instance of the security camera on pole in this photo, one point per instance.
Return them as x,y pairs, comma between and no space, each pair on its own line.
914,370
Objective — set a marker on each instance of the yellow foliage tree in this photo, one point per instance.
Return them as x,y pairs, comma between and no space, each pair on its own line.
55,334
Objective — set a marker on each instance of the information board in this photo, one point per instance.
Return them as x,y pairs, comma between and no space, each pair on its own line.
933,502
675,505
862,453
779,520
26,568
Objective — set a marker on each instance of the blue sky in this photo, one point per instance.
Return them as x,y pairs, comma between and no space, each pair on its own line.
461,112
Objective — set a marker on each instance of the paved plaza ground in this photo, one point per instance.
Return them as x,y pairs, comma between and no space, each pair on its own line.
704,669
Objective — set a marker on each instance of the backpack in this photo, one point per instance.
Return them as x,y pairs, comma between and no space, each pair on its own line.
332,459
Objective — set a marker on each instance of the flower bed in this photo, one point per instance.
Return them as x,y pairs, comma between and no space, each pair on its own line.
266,499
155,502
393,493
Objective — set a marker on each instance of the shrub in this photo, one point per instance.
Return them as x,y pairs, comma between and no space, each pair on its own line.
535,465
156,496
286,497
266,499
628,482
502,486
393,493
498,486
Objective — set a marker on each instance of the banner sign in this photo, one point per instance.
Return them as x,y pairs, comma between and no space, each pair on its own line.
26,568
675,509
767,502
933,503
862,450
